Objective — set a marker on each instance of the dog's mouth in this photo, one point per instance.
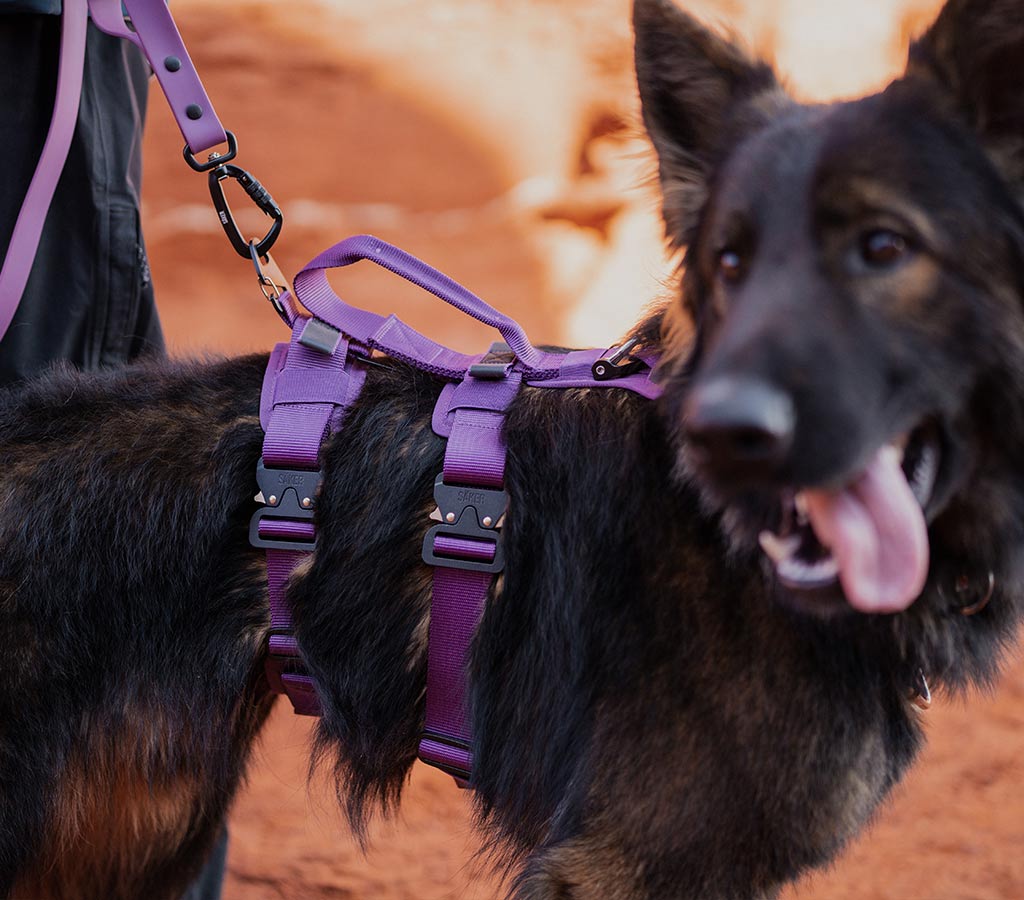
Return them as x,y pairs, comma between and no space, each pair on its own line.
868,535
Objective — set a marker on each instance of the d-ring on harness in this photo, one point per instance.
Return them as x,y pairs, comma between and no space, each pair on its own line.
310,384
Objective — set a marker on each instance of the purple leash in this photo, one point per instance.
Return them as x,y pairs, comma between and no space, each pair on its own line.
312,381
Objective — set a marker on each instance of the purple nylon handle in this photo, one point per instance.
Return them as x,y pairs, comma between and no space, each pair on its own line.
21,251
391,335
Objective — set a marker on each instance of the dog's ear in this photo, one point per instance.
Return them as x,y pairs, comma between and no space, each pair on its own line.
693,87
975,51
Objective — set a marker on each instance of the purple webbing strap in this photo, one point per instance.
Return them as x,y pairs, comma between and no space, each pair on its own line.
306,393
474,458
390,334
576,371
21,251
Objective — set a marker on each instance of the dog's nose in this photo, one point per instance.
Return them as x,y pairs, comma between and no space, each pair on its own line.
741,425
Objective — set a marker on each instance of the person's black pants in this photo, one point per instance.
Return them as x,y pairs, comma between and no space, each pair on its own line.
89,299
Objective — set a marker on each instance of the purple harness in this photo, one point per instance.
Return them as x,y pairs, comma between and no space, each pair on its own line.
310,384
313,380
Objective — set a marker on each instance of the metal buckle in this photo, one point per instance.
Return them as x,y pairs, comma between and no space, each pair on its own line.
288,494
492,370
216,159
271,279
489,371
467,512
609,366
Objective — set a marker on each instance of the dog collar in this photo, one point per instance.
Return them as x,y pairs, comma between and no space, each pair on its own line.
310,384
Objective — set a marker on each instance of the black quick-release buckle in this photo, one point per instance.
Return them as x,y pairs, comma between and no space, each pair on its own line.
288,494
259,195
611,365
467,512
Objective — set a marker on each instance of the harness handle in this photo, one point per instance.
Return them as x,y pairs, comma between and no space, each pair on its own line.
390,334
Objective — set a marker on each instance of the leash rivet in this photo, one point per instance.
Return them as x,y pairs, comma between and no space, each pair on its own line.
306,502
172,64
450,517
488,521
194,111
273,499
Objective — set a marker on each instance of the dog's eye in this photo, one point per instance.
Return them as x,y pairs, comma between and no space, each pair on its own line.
881,248
730,265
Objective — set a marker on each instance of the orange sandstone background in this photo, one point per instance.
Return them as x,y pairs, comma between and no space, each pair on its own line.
500,141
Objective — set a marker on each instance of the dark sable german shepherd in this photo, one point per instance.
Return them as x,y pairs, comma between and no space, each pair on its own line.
697,678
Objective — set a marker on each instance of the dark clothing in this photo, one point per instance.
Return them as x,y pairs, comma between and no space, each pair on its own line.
210,883
89,299
49,7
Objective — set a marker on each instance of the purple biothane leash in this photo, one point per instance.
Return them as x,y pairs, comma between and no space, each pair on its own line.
310,384
154,32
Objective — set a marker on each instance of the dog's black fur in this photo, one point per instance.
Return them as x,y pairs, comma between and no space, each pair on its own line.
654,716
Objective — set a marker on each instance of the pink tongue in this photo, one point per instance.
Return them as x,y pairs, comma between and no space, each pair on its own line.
877,533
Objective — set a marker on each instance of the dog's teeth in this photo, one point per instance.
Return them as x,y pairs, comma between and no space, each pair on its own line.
922,480
897,448
776,548
807,574
800,503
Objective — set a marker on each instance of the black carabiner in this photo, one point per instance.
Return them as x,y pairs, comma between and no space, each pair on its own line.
259,196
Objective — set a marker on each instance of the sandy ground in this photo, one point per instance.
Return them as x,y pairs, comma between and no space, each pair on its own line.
499,141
